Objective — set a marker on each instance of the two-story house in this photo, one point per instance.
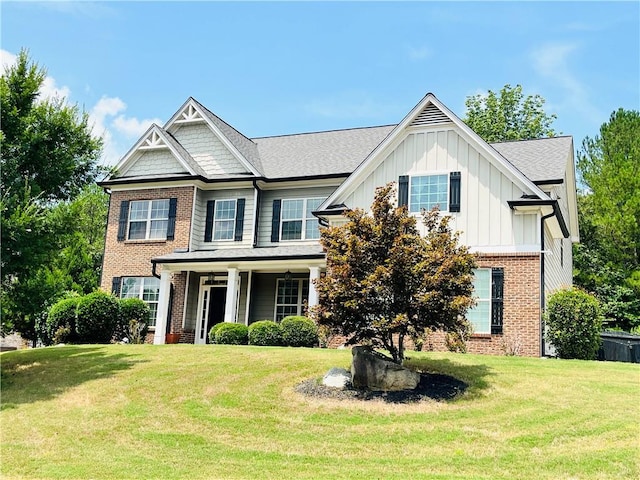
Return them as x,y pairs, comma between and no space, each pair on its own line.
207,225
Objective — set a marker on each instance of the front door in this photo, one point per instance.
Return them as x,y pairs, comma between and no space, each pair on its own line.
211,312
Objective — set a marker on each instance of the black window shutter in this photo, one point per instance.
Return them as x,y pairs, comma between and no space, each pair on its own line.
239,220
123,220
497,292
403,191
115,286
171,226
208,227
454,192
275,221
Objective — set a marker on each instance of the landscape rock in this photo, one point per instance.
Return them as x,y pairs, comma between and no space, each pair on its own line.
372,370
337,378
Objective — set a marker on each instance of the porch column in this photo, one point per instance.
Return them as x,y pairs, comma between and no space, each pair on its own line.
163,308
233,284
314,273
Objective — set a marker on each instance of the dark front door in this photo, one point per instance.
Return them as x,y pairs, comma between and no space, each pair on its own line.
218,299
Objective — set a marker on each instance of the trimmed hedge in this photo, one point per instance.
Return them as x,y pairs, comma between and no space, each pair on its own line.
133,321
299,331
212,332
574,323
265,333
97,318
61,321
230,334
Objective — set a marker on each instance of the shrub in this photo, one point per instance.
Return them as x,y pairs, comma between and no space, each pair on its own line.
456,341
265,333
299,332
212,332
133,321
97,317
231,334
574,322
61,321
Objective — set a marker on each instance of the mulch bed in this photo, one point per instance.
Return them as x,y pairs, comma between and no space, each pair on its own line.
432,386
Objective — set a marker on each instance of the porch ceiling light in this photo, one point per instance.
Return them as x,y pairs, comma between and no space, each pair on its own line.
210,279
287,275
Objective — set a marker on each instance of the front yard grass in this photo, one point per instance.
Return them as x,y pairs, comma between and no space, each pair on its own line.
188,411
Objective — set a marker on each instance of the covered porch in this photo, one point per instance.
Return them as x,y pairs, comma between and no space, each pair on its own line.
199,289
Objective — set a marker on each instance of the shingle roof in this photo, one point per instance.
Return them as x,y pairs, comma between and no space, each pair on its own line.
539,159
247,148
321,153
237,254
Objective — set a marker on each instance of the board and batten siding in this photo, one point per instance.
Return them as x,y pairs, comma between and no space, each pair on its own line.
200,218
266,208
155,162
485,219
208,150
557,263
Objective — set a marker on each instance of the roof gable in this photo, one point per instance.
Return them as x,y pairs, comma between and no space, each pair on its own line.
429,112
175,161
241,148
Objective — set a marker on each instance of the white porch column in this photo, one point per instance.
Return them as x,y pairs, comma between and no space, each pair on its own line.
163,308
233,284
314,273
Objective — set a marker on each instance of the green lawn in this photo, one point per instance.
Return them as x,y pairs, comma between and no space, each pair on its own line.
187,411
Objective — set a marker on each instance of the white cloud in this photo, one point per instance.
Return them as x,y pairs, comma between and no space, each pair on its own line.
551,61
132,127
7,59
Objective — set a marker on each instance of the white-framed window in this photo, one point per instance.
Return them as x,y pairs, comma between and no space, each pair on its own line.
480,315
290,297
146,289
148,219
297,221
224,220
428,191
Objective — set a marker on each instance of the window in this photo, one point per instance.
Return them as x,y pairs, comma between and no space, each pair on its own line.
148,219
486,316
480,315
298,222
290,297
224,220
146,289
427,191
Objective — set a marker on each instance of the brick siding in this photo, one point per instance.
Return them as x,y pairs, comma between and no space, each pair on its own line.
132,258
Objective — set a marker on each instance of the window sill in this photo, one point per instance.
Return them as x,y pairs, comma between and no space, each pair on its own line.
143,241
481,335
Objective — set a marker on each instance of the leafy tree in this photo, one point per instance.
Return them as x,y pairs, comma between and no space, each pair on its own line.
385,281
47,155
607,261
508,115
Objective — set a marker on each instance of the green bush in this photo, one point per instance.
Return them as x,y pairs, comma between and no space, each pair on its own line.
133,321
574,323
97,317
265,333
212,332
299,332
61,321
231,334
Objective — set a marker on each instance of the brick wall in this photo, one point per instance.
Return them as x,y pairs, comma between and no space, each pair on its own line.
521,317
132,258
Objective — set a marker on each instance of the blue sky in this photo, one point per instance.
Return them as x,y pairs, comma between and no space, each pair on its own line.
286,67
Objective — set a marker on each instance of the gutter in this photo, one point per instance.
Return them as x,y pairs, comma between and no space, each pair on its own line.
542,295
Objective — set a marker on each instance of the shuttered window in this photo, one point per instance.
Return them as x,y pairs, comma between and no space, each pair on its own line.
225,220
420,192
297,220
146,289
147,219
486,317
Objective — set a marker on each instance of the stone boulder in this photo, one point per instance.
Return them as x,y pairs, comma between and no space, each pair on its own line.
337,378
372,370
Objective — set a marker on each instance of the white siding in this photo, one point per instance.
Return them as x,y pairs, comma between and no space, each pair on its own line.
200,214
557,263
154,162
485,219
207,149
266,208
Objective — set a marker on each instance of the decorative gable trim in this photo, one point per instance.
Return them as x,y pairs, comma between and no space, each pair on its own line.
429,109
153,139
192,112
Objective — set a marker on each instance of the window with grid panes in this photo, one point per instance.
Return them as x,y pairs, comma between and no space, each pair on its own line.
290,297
224,220
297,219
146,289
148,219
427,191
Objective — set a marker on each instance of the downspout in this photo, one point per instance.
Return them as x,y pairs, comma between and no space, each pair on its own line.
542,295
153,270
256,209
